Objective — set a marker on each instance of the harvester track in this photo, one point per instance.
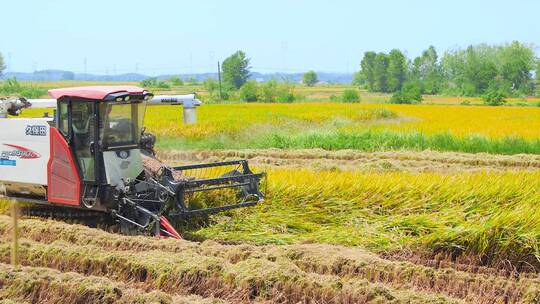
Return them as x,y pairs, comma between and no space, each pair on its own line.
61,213
74,216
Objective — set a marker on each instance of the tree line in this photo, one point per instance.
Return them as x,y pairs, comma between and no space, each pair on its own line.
478,70
492,71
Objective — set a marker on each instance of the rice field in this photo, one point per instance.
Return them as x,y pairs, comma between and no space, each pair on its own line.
366,203
337,126
218,119
439,124
323,235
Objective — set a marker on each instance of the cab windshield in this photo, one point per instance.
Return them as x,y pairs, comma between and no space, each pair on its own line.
121,123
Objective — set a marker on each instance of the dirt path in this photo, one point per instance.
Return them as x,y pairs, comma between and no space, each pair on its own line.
407,161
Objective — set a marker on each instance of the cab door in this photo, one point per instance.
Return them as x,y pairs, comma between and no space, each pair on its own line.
84,137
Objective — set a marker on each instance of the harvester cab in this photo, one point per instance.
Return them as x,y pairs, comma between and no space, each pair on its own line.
95,156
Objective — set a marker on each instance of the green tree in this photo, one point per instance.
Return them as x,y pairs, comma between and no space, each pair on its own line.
286,92
537,70
497,92
2,64
350,96
192,80
380,73
480,70
538,77
426,68
517,61
471,70
249,91
358,79
176,80
236,70
163,85
210,84
269,91
397,70
310,78
367,67
411,92
149,82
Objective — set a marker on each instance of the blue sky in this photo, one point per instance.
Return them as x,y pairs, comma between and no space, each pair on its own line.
158,37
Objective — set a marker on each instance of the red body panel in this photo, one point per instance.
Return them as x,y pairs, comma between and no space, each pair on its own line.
95,92
64,184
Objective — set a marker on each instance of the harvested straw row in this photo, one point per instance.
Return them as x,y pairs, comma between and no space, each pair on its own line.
320,259
410,161
45,285
187,273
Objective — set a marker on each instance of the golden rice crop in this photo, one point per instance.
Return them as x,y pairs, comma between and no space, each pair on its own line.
232,118
456,100
492,215
492,122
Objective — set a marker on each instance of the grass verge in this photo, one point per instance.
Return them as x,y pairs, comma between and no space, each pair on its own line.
369,141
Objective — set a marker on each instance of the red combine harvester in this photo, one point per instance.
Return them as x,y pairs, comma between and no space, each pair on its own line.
94,157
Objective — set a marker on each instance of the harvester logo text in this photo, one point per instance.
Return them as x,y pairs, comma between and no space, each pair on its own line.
19,152
36,130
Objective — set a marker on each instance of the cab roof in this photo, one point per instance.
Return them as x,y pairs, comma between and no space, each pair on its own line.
95,92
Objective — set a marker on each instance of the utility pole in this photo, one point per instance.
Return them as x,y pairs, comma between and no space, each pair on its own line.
219,79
